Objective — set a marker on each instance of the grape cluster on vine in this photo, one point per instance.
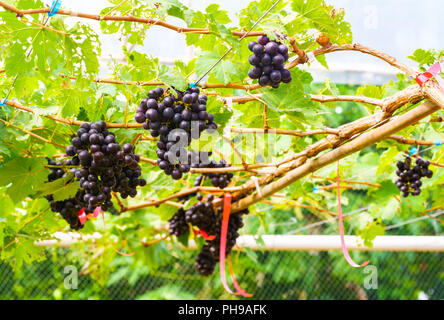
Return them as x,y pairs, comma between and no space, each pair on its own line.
67,208
203,216
234,224
409,181
209,256
177,224
268,60
205,262
220,180
105,166
162,113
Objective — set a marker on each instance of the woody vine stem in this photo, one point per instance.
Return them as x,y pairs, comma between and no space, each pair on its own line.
338,142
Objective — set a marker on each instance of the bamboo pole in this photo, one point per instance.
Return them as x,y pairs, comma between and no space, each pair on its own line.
295,243
355,145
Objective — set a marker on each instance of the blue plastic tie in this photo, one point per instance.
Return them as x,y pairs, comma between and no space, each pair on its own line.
315,189
413,150
193,85
438,143
55,7
3,102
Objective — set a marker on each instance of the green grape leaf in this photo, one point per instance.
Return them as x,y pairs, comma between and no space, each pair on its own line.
172,77
22,176
225,71
61,189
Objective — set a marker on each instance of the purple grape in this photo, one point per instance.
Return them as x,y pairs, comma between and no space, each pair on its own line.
152,115
177,118
84,156
255,73
185,125
168,101
188,98
159,91
127,148
70,151
258,49
154,125
176,174
254,60
251,44
275,76
285,74
267,70
264,80
152,104
168,113
278,60
266,59
76,142
283,49
140,117
263,40
271,48
186,114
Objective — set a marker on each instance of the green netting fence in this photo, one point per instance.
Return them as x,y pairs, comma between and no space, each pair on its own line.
277,275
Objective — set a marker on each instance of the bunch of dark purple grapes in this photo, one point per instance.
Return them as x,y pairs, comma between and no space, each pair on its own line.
105,166
234,224
163,114
68,208
205,262
220,180
268,60
177,224
409,181
209,256
202,214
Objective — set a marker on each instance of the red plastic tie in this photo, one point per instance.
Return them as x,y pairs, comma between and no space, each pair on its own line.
341,230
236,285
82,216
429,74
223,245
204,235
223,240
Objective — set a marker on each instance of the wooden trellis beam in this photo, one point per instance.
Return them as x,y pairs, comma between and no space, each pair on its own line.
341,152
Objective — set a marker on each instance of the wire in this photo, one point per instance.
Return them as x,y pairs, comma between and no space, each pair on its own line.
436,214
27,56
319,223
231,48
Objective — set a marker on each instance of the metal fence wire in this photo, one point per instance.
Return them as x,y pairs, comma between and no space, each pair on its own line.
277,275
74,273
